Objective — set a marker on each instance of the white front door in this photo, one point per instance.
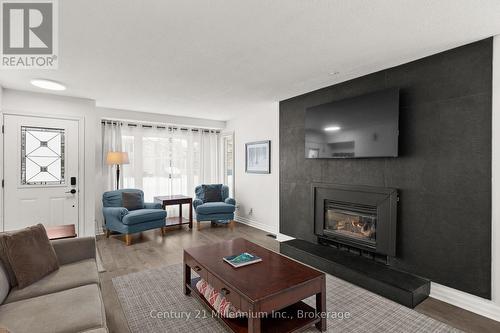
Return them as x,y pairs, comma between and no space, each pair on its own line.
40,171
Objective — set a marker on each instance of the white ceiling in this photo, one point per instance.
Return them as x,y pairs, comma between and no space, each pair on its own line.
217,59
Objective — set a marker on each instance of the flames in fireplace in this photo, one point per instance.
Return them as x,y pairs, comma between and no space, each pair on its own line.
355,223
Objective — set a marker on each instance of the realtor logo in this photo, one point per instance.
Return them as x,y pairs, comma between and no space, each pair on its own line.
29,34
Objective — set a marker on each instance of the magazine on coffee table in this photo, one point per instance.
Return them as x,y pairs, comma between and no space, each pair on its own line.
242,259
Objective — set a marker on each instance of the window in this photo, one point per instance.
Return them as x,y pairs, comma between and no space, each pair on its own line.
166,161
155,165
42,156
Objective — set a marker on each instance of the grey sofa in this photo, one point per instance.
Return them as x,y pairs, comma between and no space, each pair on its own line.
67,300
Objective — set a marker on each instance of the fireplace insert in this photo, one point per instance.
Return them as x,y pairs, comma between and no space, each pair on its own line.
362,217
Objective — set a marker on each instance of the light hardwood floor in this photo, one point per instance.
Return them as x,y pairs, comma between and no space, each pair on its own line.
150,250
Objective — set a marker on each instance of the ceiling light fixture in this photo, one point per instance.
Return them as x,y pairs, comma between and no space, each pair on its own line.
332,128
48,84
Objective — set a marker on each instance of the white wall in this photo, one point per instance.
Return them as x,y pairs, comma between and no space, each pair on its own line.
259,192
23,102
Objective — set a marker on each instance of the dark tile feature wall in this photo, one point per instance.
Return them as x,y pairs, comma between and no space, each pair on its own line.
443,173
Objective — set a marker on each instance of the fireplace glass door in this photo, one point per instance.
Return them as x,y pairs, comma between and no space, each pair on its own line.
354,223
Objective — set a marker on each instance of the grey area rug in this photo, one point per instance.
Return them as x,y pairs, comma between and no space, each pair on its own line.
146,295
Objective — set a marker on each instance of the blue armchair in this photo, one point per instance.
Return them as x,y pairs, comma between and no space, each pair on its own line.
220,212
119,219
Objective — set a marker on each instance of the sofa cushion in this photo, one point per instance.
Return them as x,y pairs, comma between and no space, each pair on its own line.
4,284
71,250
30,254
144,215
68,276
214,208
132,200
73,310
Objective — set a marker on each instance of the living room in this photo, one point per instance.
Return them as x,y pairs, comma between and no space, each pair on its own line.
250,166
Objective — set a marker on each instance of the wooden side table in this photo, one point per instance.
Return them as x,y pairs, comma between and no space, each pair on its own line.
169,200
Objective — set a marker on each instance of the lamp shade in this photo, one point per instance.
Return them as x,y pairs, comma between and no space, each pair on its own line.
117,157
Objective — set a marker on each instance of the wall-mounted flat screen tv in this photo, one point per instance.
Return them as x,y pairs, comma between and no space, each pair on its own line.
359,127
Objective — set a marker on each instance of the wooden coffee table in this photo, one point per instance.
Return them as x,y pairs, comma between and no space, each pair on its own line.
270,292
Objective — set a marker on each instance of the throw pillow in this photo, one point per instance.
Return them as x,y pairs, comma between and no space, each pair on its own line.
213,193
218,301
132,200
5,260
30,254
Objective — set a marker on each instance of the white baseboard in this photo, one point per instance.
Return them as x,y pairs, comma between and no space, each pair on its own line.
466,301
256,224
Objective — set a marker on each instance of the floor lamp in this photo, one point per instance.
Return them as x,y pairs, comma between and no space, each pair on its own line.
117,158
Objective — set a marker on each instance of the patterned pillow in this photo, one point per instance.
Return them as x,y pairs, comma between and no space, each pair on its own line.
217,301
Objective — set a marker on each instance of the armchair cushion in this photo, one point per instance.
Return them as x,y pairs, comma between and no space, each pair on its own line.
215,208
144,215
132,200
230,201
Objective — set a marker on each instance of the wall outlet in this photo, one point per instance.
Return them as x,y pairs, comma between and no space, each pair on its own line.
250,212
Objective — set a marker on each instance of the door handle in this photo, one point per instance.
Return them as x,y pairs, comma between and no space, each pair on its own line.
73,191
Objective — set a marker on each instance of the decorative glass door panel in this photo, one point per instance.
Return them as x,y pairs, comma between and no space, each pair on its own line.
42,156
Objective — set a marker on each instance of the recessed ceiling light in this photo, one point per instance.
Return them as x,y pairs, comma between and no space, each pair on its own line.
332,128
48,84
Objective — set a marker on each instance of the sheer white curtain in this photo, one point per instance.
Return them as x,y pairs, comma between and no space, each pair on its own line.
166,161
111,141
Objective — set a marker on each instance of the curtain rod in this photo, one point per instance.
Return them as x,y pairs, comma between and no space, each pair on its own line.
166,127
